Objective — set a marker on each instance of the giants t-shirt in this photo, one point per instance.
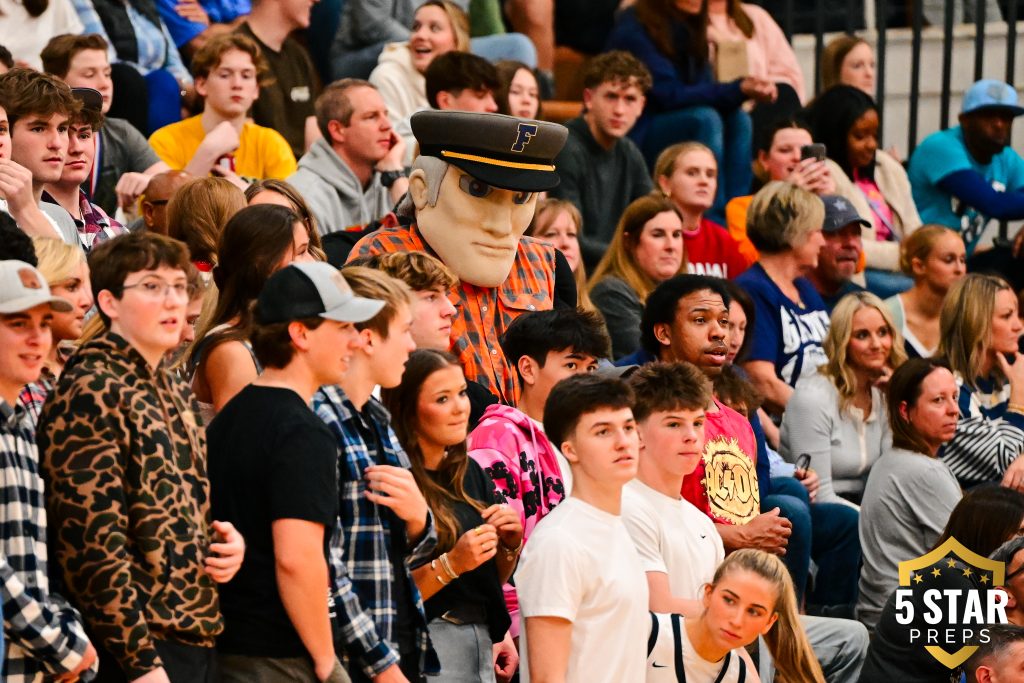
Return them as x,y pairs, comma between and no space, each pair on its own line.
785,334
711,250
724,484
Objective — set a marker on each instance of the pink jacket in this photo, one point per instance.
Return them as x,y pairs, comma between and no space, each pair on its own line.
522,463
769,54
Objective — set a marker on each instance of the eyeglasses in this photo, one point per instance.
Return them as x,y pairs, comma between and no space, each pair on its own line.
155,202
154,288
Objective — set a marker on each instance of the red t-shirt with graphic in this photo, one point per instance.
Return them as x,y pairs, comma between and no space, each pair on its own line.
724,484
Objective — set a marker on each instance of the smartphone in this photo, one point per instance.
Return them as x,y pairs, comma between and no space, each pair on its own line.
803,461
813,151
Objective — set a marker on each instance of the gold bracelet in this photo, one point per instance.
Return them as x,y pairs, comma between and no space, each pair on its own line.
448,566
433,567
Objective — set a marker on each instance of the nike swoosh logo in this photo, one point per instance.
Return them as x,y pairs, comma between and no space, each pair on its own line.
703,535
659,666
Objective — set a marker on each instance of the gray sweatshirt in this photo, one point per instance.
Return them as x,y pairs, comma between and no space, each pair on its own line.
334,194
907,502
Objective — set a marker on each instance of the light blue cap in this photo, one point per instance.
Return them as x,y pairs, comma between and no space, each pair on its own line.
991,94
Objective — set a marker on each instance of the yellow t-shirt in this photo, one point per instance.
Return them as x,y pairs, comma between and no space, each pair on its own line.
262,152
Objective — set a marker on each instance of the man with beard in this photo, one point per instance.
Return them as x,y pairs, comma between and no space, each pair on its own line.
838,258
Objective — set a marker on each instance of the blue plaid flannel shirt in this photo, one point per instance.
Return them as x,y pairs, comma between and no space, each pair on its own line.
44,633
360,541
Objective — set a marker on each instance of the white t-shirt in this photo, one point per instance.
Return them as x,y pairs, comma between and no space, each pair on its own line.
671,640
672,536
580,565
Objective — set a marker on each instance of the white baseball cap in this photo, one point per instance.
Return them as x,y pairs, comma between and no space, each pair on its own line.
23,287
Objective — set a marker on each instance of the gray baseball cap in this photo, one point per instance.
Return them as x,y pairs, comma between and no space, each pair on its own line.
839,213
309,290
23,287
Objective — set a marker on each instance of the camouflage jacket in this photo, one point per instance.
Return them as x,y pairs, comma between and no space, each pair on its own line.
124,460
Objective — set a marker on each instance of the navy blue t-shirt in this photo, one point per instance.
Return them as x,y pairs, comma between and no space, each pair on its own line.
785,334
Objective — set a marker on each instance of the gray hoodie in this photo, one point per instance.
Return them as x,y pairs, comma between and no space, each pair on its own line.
333,192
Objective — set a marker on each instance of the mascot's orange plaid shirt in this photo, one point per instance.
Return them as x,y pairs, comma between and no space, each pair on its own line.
483,313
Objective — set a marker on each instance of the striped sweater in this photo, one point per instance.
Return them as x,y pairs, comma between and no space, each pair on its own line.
988,437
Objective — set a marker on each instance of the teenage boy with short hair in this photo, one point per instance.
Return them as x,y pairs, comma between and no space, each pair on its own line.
581,585
461,81
44,634
670,402
91,221
222,140
528,471
127,162
430,281
37,108
125,462
273,470
378,538
677,543
601,169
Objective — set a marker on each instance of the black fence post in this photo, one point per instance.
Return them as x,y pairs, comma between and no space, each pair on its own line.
1011,41
915,75
979,38
947,65
881,24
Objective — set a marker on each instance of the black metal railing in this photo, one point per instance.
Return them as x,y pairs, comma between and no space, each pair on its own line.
821,17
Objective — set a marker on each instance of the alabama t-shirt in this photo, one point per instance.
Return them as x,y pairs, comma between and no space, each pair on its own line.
724,484
580,565
943,153
711,250
785,333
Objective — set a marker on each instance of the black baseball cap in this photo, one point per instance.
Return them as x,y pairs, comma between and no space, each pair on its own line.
310,290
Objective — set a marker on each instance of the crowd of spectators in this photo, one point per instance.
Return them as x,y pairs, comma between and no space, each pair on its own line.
745,361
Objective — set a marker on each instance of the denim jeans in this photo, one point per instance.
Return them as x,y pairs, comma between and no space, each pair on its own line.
727,134
465,651
826,532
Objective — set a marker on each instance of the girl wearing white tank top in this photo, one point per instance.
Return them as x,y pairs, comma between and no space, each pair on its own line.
751,595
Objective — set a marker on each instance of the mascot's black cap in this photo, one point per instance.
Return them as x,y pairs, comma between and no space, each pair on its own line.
503,151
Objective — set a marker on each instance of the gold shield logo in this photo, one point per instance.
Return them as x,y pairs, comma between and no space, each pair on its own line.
951,556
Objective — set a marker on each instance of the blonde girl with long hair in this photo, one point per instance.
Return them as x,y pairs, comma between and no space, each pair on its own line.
67,273
750,595
559,222
980,330
646,249
935,257
838,415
